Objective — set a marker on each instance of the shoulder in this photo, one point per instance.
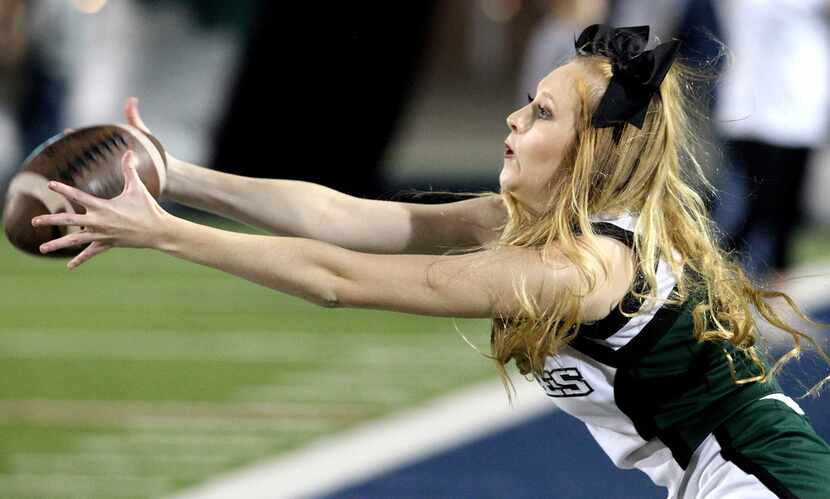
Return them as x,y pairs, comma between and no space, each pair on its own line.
510,278
610,263
612,286
545,276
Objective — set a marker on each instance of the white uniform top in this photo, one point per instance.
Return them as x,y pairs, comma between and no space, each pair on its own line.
648,367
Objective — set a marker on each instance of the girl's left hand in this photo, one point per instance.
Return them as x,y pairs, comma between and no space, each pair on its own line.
133,219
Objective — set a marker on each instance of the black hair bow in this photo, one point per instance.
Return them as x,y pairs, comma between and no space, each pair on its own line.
637,72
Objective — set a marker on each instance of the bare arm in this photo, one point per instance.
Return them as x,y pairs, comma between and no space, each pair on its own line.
305,209
477,285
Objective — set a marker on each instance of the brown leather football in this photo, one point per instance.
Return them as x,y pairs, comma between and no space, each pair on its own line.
88,159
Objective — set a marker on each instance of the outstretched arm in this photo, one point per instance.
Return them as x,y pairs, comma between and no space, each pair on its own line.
305,209
309,210
473,285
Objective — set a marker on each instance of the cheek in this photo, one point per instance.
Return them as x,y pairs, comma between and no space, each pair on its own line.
545,150
540,158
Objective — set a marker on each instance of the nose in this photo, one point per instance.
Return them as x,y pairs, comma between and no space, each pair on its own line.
513,120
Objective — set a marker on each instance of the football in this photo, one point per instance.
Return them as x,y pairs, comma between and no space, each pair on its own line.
88,159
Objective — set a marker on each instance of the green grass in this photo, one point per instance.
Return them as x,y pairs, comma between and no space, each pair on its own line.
126,374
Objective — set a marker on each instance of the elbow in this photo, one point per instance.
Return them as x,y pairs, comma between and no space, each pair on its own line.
326,299
321,287
341,293
331,295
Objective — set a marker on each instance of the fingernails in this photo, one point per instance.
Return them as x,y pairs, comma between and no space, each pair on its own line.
52,184
35,221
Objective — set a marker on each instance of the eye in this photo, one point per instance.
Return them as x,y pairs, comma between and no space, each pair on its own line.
543,113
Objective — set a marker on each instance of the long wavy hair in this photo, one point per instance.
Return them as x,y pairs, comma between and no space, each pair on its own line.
658,173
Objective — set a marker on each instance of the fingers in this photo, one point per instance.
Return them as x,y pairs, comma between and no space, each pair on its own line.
132,115
69,240
67,131
80,197
129,164
61,219
96,248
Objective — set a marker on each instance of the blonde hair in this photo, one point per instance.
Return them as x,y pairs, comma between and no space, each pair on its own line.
656,172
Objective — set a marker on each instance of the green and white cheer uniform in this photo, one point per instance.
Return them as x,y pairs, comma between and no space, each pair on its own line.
658,400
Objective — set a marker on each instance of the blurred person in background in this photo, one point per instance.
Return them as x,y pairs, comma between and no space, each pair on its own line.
773,111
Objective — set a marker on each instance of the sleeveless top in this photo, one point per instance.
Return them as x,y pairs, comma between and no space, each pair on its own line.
647,390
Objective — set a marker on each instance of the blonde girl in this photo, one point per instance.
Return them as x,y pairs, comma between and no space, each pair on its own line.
596,262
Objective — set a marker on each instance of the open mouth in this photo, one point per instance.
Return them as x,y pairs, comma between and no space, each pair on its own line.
508,152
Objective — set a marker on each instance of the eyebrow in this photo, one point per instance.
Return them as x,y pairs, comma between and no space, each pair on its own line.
550,98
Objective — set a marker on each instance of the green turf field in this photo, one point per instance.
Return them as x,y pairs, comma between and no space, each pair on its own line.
138,374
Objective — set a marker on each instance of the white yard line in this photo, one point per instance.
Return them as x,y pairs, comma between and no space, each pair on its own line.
78,485
232,425
378,446
67,412
150,443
